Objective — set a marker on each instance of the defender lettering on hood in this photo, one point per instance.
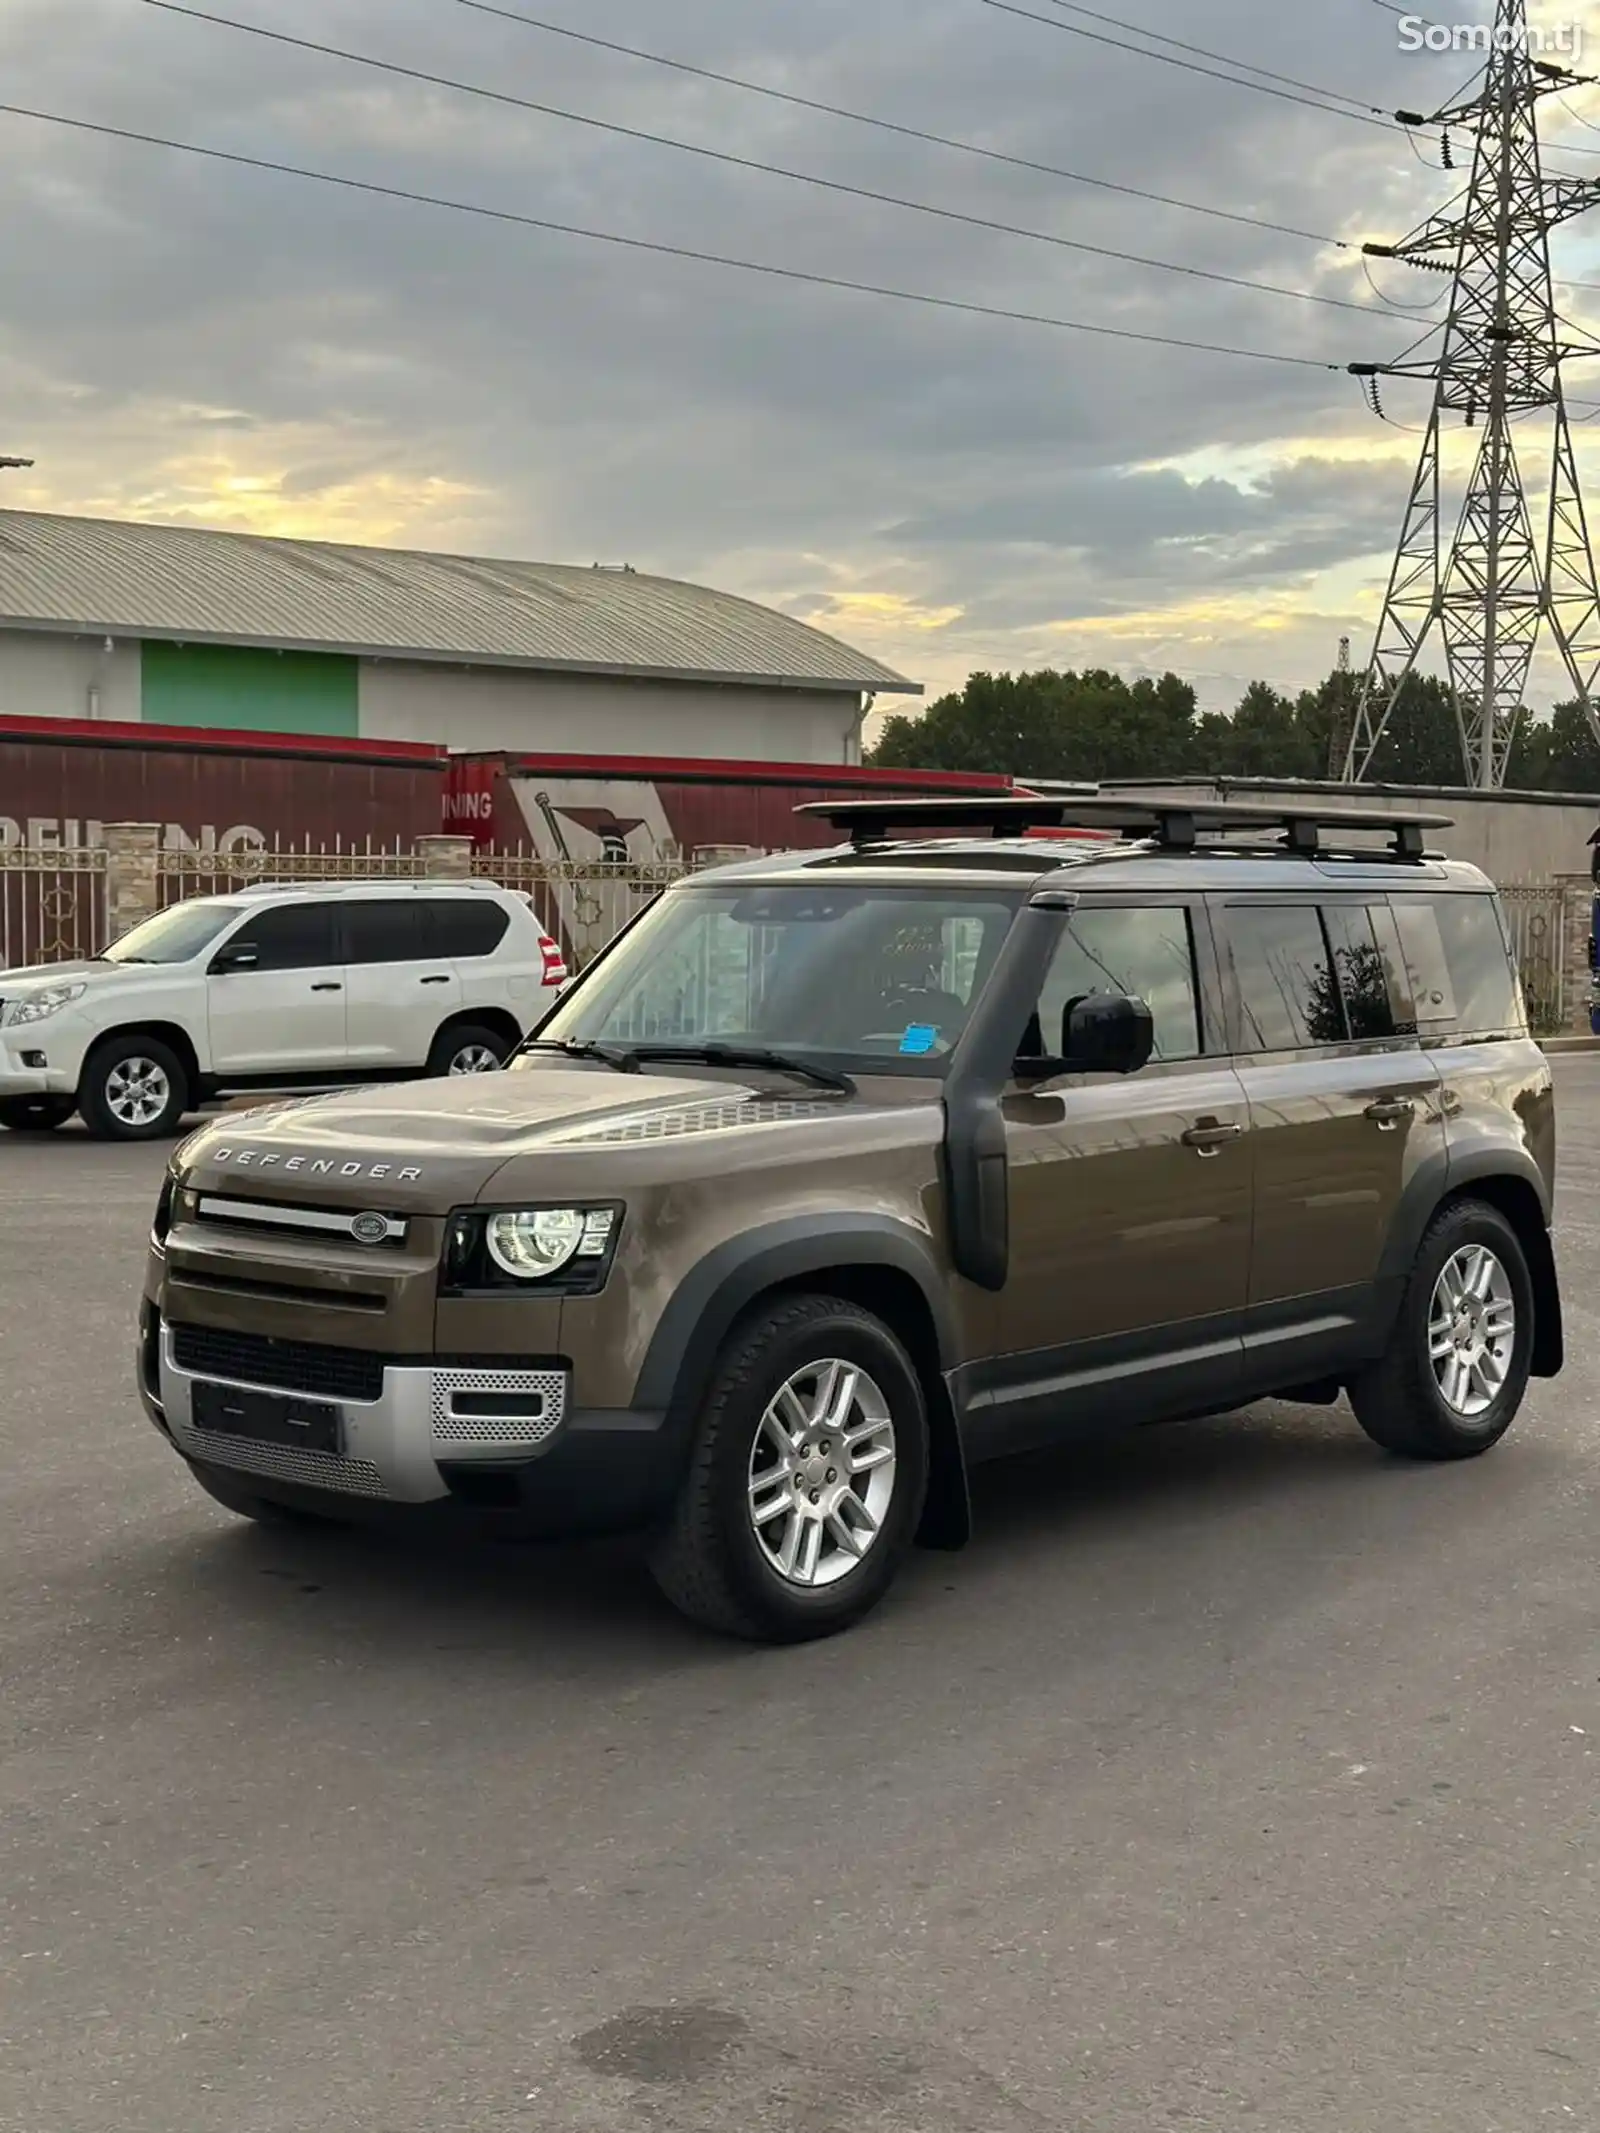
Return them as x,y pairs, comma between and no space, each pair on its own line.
314,1166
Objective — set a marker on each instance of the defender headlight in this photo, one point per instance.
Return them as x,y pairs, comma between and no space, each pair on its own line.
533,1245
568,1248
40,1005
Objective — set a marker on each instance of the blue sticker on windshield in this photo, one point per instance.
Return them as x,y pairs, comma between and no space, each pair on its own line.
920,1038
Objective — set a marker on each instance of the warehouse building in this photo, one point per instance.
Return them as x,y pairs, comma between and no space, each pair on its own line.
179,626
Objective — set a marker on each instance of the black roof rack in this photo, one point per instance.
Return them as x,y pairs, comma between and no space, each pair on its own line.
1175,826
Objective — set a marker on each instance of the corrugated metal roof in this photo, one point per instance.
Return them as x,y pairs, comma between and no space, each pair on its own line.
201,587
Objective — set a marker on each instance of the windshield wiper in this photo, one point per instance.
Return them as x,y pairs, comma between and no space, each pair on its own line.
743,1055
623,1058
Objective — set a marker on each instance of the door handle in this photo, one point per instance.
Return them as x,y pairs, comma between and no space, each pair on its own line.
1389,1111
330,987
433,981
1211,1135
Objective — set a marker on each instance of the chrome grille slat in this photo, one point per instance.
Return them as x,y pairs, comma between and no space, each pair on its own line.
323,1222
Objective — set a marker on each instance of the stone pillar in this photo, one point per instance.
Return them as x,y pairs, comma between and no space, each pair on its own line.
444,858
133,879
1577,897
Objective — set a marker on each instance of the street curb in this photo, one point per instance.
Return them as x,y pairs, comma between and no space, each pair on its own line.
1570,1044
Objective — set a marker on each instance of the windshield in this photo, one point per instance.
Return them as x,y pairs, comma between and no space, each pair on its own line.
174,936
875,978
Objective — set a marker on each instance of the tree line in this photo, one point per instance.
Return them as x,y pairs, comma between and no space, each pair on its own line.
1093,725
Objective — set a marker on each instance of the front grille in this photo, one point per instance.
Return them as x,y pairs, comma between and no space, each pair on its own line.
286,1366
277,1462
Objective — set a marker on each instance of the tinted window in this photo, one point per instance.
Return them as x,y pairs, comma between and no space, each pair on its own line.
297,937
1433,989
1288,996
1463,976
387,932
1145,954
474,926
1359,965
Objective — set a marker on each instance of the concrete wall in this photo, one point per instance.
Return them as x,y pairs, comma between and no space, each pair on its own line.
1514,837
48,676
45,676
484,707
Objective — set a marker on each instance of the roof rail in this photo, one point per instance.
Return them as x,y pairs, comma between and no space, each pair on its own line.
1173,827
321,883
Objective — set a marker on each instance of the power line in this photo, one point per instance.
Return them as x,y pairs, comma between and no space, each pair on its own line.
718,155
1138,29
1190,66
885,125
664,250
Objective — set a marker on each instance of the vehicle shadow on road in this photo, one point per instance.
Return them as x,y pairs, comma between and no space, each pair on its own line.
1270,1482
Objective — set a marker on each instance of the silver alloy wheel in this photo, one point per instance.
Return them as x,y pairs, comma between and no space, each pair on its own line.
475,1059
1472,1330
137,1091
822,1473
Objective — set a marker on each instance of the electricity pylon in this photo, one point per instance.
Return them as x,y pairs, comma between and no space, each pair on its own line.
1498,359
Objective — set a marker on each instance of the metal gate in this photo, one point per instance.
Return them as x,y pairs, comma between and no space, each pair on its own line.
1538,918
52,905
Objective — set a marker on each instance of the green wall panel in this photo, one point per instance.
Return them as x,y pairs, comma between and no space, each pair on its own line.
240,688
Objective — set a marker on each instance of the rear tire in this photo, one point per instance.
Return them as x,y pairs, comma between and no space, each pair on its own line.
468,1048
806,1480
234,1495
35,1114
133,1089
1457,1365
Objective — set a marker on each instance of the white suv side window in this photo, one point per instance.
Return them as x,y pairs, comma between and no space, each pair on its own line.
290,937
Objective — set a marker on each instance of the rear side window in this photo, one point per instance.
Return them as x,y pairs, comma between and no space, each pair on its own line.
473,926
1144,954
296,937
1361,969
387,932
1288,994
1463,979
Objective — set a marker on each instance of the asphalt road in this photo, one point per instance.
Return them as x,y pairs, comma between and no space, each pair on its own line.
1235,1777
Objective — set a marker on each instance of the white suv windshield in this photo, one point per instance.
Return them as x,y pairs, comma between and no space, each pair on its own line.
855,975
175,936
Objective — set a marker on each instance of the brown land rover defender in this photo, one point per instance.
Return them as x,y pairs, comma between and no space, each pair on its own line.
838,1173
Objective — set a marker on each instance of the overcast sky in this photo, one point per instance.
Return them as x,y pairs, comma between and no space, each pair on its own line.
191,342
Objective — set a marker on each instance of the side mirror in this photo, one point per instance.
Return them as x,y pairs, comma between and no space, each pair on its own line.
244,957
1104,1033
1108,1033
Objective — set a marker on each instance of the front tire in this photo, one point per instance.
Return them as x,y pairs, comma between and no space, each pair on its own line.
133,1089
1457,1365
35,1114
806,1480
468,1048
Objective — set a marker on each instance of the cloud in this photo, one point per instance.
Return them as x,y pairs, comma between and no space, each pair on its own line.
198,341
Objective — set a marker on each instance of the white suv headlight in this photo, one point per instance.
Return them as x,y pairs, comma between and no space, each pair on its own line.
38,1006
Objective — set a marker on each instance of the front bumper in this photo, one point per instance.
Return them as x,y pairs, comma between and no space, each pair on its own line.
62,1040
19,1078
551,1471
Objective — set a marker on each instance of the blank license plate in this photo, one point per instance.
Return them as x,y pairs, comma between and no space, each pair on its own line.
266,1417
